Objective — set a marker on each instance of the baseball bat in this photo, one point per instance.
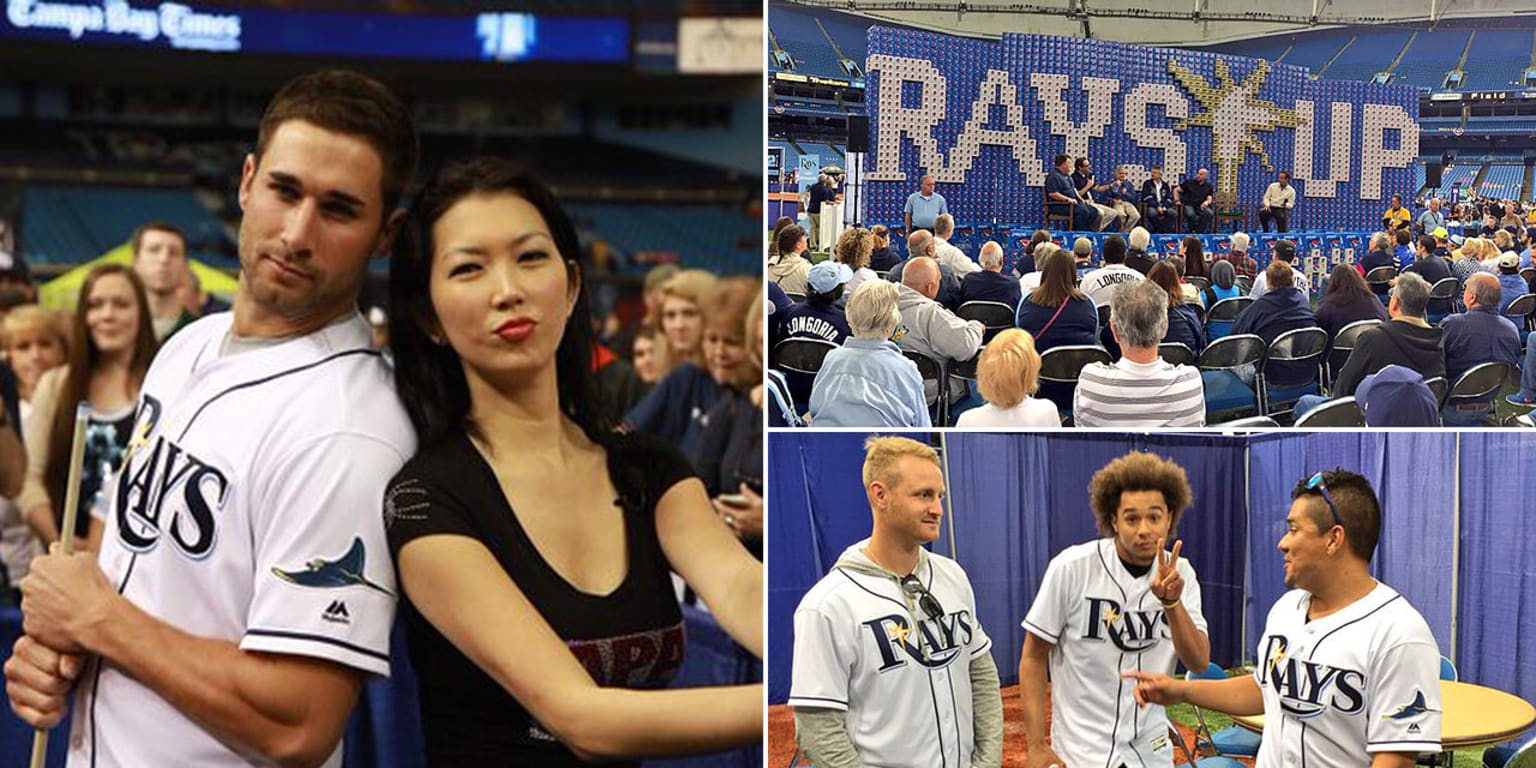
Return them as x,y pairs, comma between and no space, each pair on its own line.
66,536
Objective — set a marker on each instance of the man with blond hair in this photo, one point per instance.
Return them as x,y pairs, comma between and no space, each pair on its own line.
889,625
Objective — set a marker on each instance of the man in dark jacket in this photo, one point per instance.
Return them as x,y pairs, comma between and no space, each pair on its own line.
1479,335
1380,255
1405,340
1158,196
1198,197
990,284
922,243
1430,265
1280,309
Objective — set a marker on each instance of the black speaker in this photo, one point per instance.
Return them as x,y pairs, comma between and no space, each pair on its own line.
858,133
1432,174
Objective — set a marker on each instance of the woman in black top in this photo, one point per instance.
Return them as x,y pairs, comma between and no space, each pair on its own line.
534,545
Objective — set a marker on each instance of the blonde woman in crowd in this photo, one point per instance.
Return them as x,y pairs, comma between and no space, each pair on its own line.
853,248
683,298
35,343
1008,374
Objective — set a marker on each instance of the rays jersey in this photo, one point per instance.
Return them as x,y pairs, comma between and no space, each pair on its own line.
1336,689
1104,621
248,509
903,678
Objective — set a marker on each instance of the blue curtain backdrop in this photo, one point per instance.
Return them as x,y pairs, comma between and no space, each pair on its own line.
1018,499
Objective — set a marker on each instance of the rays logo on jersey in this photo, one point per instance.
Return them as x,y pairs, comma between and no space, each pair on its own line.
1130,631
933,643
1411,710
1307,688
163,489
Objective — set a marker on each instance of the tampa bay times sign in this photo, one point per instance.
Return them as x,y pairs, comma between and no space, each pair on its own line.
986,117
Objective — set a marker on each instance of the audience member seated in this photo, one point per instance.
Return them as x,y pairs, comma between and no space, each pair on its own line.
1137,258
1282,308
1189,291
1057,313
789,267
1007,374
1405,340
1100,284
1380,254
1397,397
773,243
1184,326
1140,390
853,248
1347,299
1158,196
1237,256
921,243
1470,260
867,382
1285,251
1427,263
1061,197
1082,253
882,258
1198,198
1510,281
990,284
1026,263
778,305
1480,335
931,329
1404,249
949,255
818,317
1223,283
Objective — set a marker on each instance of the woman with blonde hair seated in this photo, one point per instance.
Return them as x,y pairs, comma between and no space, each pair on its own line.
1007,374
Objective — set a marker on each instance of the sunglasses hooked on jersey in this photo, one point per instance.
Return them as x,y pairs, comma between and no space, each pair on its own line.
1316,482
925,599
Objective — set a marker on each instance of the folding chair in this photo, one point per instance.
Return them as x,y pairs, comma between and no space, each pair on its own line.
1176,353
1298,346
1442,296
1251,421
995,315
1338,412
1060,366
1344,342
1234,740
1225,393
1379,278
934,371
1222,316
1480,384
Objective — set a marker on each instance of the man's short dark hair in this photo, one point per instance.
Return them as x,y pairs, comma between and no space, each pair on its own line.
1080,163
1398,198
156,226
1356,503
1286,174
789,237
1404,237
1428,243
1155,168
350,103
1114,250
1059,160
1285,250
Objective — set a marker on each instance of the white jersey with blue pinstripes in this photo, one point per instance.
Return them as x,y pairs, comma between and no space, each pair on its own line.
249,509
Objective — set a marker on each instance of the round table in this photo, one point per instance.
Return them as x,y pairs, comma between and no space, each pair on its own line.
1475,716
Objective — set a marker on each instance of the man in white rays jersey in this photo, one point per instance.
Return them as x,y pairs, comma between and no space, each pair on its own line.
1348,672
244,588
1109,606
891,667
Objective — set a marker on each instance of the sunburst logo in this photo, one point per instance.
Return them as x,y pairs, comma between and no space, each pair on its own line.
1234,113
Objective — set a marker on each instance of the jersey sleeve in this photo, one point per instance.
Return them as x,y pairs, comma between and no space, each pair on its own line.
323,583
981,642
1047,617
1191,596
1403,699
823,659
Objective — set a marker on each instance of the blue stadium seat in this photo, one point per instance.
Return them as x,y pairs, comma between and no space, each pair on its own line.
63,224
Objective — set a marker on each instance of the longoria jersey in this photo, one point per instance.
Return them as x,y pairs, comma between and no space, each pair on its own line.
1103,621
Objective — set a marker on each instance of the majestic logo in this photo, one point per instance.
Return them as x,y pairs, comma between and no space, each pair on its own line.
336,613
933,643
345,571
1130,631
1307,688
166,490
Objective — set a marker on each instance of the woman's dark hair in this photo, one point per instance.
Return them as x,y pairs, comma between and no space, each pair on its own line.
1058,280
1347,286
1167,278
429,376
1194,250
84,356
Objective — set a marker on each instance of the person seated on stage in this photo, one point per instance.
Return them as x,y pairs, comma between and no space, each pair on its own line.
1137,258
1279,200
949,255
881,257
1198,198
1404,250
1061,195
1190,293
790,266
1237,255
1057,313
1184,325
1512,284
1396,216
1161,200
1285,251
1479,335
1223,282
932,329
922,243
1026,263
1007,374
1432,218
990,284
1348,299
1122,197
1405,340
1089,189
867,382
1397,397
1282,308
1140,390
1100,284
